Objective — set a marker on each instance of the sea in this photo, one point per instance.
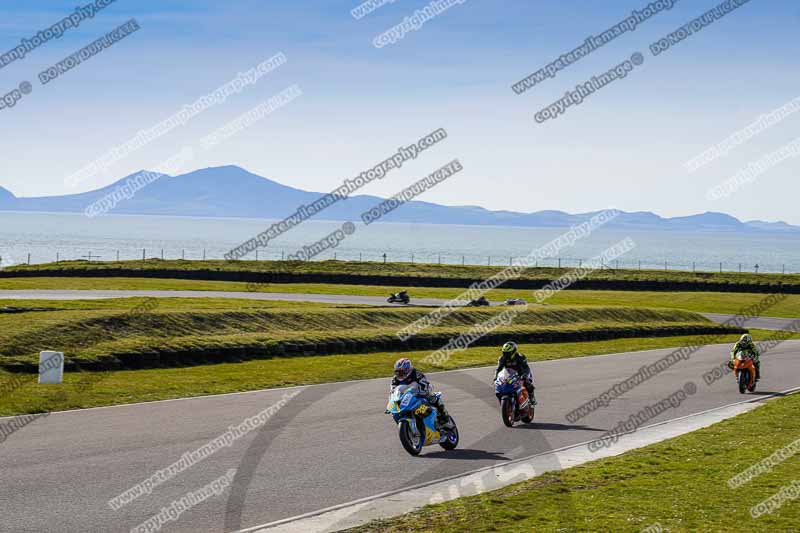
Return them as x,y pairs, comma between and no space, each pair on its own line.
48,237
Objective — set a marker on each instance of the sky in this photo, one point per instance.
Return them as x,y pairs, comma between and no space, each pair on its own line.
625,146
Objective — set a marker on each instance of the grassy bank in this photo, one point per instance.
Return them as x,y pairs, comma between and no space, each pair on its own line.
408,274
679,484
21,394
130,333
703,302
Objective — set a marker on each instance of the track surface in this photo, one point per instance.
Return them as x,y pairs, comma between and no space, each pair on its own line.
329,445
757,322
278,296
761,322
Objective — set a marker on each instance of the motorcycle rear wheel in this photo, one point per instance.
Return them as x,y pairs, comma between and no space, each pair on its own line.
528,419
452,437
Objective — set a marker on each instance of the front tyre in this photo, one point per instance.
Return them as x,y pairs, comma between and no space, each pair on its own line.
507,411
753,388
406,433
744,380
452,437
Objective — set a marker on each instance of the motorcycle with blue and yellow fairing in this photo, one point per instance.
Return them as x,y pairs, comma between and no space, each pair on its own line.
417,421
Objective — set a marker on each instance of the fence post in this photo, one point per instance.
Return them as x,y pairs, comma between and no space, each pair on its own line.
412,258
580,263
29,258
693,266
183,254
462,260
783,269
665,266
740,268
720,267
162,254
559,262
281,255
384,258
489,261
143,254
359,256
204,254
640,264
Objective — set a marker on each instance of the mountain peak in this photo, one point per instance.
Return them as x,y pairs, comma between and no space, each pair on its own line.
5,194
233,191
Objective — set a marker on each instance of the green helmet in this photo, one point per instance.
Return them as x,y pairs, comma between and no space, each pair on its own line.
510,349
746,339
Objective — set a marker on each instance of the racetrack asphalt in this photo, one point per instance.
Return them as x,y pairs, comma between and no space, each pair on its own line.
329,445
341,299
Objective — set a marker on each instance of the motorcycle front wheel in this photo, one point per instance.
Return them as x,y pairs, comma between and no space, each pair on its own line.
507,411
411,445
744,380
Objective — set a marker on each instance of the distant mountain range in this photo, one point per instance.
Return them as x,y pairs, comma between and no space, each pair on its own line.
231,191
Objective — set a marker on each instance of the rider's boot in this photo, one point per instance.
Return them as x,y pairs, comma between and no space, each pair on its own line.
530,388
443,417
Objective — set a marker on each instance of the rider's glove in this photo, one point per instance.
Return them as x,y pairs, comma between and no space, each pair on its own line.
730,364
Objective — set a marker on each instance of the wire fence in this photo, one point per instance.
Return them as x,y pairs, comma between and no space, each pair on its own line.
400,256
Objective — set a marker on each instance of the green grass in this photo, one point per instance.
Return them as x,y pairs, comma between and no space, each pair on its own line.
89,283
101,330
680,484
404,269
91,389
706,302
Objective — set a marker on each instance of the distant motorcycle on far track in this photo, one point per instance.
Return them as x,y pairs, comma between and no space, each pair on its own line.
399,297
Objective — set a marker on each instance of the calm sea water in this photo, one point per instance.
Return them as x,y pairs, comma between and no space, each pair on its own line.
47,237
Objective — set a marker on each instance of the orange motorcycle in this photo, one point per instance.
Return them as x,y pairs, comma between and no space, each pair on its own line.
744,370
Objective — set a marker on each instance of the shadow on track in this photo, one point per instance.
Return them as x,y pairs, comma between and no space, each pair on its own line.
553,426
465,454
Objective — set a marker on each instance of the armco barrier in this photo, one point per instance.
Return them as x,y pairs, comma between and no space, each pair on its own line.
406,281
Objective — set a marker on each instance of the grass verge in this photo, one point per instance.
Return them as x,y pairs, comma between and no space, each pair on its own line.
115,334
679,484
19,393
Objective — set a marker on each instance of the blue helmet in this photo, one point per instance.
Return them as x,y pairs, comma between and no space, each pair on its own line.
403,368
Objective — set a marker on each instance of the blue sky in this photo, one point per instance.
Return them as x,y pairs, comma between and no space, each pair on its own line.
624,147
